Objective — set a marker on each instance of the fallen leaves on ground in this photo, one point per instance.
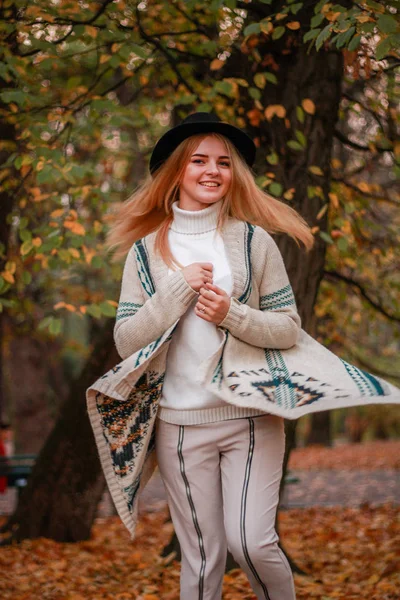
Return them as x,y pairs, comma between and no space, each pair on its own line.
373,455
347,553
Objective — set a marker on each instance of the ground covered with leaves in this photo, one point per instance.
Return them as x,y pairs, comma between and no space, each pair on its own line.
372,455
346,553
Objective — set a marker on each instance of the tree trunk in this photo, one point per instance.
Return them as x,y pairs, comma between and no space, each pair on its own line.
63,492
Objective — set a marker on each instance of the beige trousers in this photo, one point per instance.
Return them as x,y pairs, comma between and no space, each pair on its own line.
222,482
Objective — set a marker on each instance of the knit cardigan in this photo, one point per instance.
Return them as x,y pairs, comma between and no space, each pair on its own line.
265,361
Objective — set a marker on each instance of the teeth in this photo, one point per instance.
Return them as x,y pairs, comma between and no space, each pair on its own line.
210,184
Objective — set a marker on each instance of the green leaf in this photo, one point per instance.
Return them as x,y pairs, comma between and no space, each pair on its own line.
16,96
342,244
344,37
355,42
226,88
94,311
310,35
259,80
204,107
138,50
26,277
107,309
316,20
275,189
271,77
387,23
383,48
296,7
55,326
273,158
300,114
294,145
301,137
252,28
278,32
26,247
254,93
323,36
326,237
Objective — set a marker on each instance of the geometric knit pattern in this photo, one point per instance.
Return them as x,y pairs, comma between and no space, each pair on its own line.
127,309
367,384
125,425
279,299
248,236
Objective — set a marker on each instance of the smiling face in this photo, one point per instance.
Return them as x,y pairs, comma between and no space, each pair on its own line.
207,176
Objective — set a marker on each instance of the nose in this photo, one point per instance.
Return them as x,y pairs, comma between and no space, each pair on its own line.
212,168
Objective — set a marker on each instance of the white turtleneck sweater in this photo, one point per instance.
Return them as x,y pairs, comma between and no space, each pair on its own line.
193,237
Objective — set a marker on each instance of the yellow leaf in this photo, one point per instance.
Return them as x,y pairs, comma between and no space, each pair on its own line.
53,224
363,186
104,58
92,31
275,109
73,214
266,26
315,170
217,64
75,227
288,195
280,16
74,252
37,242
57,213
70,307
113,303
314,229
11,266
332,16
334,199
59,305
83,309
322,211
336,163
293,25
97,226
308,106
8,276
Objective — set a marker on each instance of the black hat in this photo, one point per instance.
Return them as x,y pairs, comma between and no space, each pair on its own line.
201,122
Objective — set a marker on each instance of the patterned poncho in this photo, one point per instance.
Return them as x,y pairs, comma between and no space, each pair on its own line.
266,360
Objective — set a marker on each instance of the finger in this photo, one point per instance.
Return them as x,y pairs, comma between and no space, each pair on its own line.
207,276
207,266
201,314
205,293
216,289
205,301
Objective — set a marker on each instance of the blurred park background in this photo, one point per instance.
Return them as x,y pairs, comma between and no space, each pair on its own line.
86,88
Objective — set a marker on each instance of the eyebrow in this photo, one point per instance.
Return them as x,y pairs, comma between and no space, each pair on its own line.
206,155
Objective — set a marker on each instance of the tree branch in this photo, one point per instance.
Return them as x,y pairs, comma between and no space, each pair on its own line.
364,294
342,138
164,51
380,198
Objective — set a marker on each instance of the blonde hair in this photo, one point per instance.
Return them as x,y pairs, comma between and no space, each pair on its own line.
150,206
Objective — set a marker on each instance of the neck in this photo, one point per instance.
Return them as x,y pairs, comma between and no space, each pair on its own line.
195,221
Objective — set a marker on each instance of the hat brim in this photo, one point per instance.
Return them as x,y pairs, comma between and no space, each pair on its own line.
172,138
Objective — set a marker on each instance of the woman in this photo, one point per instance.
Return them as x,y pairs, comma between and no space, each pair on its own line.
213,358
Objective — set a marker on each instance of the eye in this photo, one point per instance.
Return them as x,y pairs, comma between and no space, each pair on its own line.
227,164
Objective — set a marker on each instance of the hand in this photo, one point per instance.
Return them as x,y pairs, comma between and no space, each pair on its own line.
198,274
216,303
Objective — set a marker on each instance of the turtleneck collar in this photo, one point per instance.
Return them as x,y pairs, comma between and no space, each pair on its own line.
195,221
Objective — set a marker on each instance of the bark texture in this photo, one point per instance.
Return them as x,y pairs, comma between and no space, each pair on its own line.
63,492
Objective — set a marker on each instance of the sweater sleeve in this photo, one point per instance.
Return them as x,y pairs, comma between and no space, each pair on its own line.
276,324
141,320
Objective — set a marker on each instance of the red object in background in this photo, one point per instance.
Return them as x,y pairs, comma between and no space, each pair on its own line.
3,480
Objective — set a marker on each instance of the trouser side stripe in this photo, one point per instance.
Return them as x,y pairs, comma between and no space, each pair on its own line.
193,511
243,510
